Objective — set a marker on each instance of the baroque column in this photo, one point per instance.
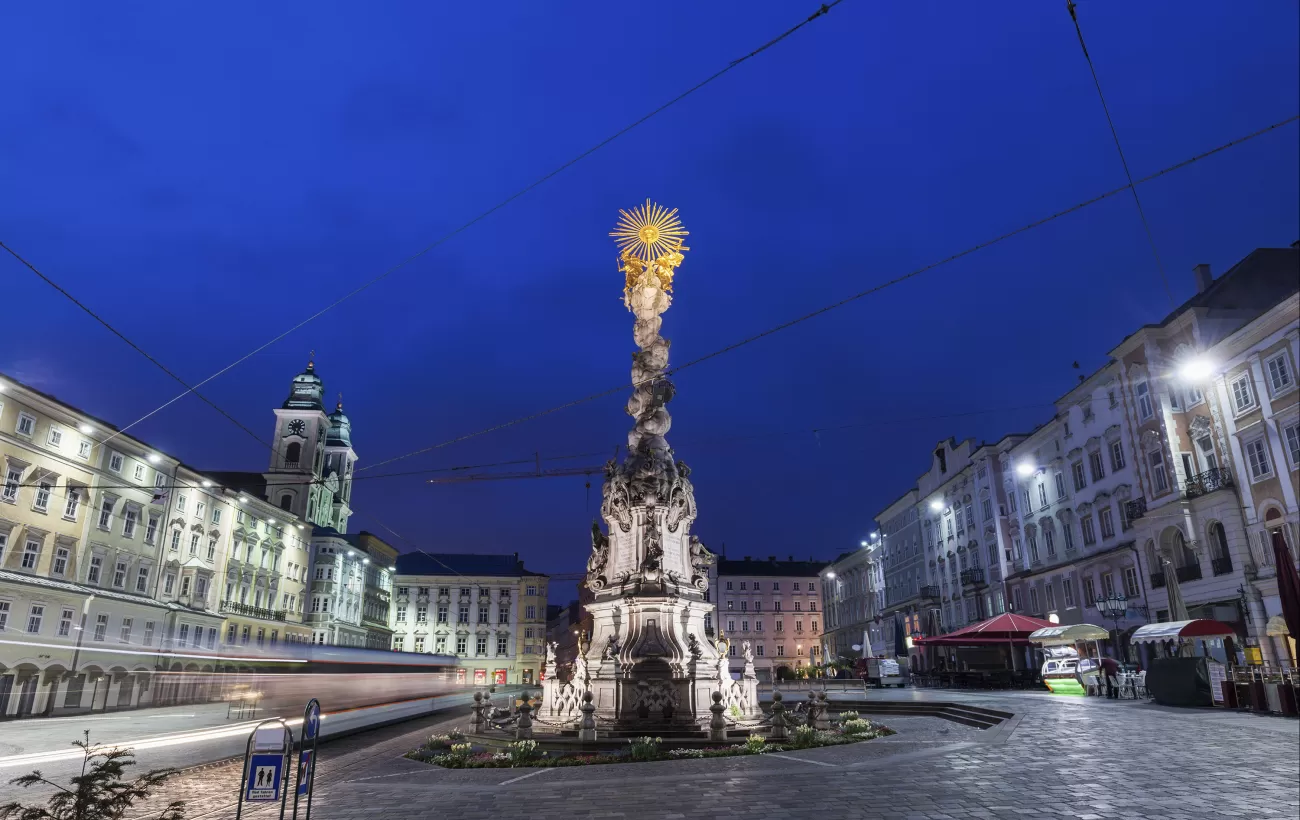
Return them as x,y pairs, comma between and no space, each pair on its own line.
648,575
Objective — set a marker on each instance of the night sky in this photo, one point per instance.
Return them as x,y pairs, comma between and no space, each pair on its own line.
207,176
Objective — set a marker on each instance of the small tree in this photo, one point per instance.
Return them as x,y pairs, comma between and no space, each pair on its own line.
98,793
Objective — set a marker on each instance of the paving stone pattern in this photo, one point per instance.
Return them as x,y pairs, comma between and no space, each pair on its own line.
1069,758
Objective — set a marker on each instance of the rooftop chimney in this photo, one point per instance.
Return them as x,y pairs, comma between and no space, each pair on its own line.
1203,278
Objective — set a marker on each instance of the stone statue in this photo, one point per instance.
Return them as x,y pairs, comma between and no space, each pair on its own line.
581,680
701,559
748,652
599,557
611,649
548,665
693,647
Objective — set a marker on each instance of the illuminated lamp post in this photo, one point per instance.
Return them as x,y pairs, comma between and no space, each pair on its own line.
1113,607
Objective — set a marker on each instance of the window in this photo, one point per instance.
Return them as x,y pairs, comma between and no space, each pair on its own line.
1033,547
532,590
480,645
758,626
758,650
60,561
1279,373
92,574
216,515
13,477
129,518
125,634
185,589
201,590
796,586
101,626
1116,456
31,553
1292,435
70,506
776,586
442,613
1158,473
502,645
65,623
1049,540
4,615
503,615
1049,594
34,618
142,580
194,544
1033,600
1067,592
743,586
780,626
1011,498
780,650
483,614
1042,494
798,626
26,425
987,509
1016,600
1257,455
1089,531
463,614
462,644
1143,392
798,605
531,612
115,462
1060,486
139,472
42,500
1095,467
169,583
1242,397
83,449
212,548
1107,585
1130,582
106,513
776,606
1107,517
744,606
1067,535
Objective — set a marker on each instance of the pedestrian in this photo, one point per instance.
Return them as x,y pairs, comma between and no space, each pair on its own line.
1110,671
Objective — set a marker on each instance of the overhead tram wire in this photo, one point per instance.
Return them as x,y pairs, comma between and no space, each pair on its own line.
821,11
1146,226
847,300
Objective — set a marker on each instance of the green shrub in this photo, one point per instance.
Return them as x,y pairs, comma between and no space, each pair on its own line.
644,748
804,737
523,752
856,727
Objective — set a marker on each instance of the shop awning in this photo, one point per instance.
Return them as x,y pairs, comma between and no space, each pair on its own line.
1277,627
1068,635
968,640
1175,630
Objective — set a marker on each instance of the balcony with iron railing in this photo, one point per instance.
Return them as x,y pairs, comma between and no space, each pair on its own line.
1207,482
1136,508
236,608
931,591
1157,580
1191,572
972,577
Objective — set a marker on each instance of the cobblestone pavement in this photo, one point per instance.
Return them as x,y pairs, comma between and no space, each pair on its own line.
1076,758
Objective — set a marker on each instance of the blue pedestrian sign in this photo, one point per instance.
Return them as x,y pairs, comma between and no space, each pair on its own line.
265,777
304,771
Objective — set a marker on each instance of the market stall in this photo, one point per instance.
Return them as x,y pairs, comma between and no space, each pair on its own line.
1066,677
1183,678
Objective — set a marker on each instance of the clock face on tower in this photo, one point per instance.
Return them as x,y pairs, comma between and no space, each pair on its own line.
297,427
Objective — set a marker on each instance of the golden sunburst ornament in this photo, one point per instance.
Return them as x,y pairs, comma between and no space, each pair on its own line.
648,232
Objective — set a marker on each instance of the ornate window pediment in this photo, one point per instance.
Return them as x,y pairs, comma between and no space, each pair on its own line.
1075,454
1084,509
1150,439
1102,498
1200,427
1123,492
1092,445
1112,433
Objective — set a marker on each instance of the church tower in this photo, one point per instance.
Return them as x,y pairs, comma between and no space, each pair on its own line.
340,462
294,480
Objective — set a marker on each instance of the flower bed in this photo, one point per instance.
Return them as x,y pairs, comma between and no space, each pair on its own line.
453,752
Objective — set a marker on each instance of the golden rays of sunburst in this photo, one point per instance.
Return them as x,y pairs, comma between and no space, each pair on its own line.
649,231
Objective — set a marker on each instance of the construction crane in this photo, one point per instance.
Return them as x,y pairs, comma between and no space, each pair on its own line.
536,472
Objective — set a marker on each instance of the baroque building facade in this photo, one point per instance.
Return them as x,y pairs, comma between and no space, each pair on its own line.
489,611
777,606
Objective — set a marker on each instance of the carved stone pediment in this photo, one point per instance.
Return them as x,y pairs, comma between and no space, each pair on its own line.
1200,427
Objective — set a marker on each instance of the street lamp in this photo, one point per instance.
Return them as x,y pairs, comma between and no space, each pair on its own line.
1196,371
1113,607
1024,469
936,506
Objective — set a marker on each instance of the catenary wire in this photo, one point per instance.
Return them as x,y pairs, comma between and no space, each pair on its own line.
841,303
1146,226
821,11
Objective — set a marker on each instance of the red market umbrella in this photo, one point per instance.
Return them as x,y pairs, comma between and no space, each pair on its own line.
1288,586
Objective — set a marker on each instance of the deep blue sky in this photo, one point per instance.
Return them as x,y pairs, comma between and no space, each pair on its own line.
207,176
